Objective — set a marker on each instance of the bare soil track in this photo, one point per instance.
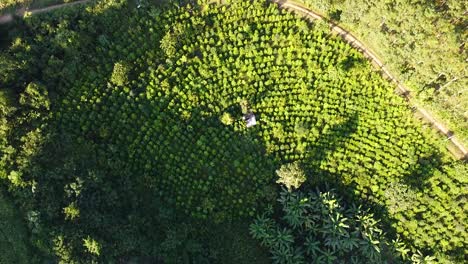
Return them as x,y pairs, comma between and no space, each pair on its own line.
456,148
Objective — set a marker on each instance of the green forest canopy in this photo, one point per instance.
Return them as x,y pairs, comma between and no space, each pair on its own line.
127,140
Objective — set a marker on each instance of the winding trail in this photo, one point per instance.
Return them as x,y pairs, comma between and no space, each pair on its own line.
6,18
459,152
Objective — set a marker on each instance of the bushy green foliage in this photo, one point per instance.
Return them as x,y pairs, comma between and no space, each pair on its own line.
10,3
227,119
120,150
5,111
291,176
318,228
168,44
120,74
92,246
7,69
71,211
35,96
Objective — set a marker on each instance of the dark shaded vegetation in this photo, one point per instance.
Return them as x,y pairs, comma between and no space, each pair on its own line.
15,246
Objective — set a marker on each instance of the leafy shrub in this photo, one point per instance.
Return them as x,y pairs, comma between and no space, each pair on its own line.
319,229
120,73
168,45
227,119
291,176
400,198
11,3
92,246
35,96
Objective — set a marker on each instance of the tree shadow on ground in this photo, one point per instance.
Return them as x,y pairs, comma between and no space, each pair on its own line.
327,143
424,169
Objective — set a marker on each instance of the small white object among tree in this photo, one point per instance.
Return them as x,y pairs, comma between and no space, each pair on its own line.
250,119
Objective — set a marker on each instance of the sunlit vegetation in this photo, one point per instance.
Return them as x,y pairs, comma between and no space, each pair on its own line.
128,141
9,4
422,42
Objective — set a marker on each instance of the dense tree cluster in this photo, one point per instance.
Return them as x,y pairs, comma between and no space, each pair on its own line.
126,140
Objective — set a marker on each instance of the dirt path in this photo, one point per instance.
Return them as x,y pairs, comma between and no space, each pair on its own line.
460,151
6,19
9,17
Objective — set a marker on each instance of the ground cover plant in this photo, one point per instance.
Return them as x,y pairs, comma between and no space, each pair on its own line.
126,141
319,229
